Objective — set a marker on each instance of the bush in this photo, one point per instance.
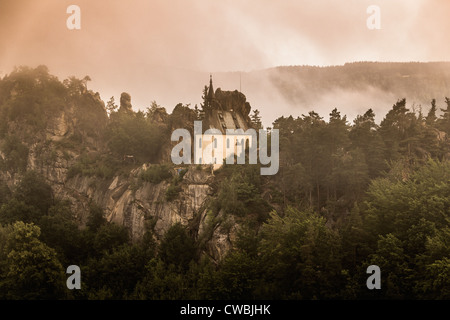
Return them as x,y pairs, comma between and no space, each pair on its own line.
5,192
16,154
134,134
98,166
177,247
156,174
172,192
34,190
239,196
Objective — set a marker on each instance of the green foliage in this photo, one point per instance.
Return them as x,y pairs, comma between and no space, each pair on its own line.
311,151
115,275
172,192
328,165
89,110
34,190
16,210
99,166
235,195
407,225
59,230
32,270
296,255
111,105
156,173
108,237
431,117
177,248
396,206
364,135
437,280
134,134
181,115
31,95
353,240
5,192
346,196
161,282
16,154
390,257
238,192
30,200
72,142
301,255
444,121
256,120
236,278
95,218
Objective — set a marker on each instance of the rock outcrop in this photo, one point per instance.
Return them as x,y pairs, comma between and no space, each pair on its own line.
75,131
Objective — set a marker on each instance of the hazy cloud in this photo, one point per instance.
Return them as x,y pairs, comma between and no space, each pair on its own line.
162,50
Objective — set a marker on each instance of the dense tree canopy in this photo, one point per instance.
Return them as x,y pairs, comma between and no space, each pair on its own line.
347,196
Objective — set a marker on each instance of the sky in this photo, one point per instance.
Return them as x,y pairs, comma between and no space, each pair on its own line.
164,50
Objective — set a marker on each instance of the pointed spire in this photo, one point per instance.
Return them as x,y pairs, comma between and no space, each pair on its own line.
211,89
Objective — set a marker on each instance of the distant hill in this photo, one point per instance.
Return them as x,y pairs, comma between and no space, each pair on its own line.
352,88
419,82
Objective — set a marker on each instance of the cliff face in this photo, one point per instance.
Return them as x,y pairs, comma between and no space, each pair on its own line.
126,198
143,206
120,162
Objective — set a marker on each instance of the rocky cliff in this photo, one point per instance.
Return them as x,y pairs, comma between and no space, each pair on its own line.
73,137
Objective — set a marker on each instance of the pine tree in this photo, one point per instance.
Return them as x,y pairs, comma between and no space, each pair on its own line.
111,106
205,105
353,239
336,141
444,121
256,120
431,117
429,134
364,135
312,153
400,130
197,112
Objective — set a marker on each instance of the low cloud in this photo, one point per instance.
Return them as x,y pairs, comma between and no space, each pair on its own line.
164,50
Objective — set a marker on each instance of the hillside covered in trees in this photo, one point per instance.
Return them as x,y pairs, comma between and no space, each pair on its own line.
352,88
418,81
347,195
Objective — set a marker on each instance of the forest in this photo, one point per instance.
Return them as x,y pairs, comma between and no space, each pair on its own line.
348,194
305,85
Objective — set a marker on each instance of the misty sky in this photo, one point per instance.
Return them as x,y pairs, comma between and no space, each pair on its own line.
162,49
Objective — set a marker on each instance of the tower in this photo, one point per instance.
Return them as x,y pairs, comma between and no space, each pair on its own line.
210,90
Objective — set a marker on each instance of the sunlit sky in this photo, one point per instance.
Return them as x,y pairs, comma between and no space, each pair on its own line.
147,47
